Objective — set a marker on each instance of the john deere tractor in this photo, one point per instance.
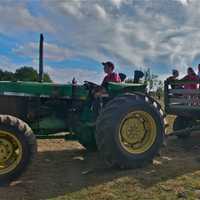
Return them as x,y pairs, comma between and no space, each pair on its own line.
123,123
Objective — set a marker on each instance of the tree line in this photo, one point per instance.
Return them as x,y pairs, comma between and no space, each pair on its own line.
23,74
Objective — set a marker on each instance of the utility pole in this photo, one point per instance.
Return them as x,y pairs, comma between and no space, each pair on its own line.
41,58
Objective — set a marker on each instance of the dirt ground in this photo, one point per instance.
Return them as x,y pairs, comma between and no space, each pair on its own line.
64,170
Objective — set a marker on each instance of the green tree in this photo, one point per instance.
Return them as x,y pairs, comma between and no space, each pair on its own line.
160,89
1,75
6,76
46,78
26,74
30,74
23,74
150,79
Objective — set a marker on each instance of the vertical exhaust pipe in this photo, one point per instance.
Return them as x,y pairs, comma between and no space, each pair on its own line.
41,58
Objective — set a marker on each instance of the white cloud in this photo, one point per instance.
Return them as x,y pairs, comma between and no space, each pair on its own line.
127,38
100,11
7,64
184,2
164,33
16,17
69,7
52,52
118,3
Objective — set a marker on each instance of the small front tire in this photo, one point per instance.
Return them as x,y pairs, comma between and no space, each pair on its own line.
17,148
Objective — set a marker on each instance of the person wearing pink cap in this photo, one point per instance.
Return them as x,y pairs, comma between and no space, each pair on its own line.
111,75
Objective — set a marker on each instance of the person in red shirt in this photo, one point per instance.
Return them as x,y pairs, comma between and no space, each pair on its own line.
192,99
111,75
191,76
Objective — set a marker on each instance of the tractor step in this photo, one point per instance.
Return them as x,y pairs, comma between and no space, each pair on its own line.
52,136
63,135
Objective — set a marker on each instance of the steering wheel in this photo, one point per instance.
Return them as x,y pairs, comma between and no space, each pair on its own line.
90,85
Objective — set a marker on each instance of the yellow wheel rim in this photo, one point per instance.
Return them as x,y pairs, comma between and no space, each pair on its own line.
10,152
137,132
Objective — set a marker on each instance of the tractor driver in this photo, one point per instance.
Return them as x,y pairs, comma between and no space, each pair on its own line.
111,75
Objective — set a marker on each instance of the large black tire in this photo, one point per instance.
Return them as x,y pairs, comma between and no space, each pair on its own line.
109,125
182,123
16,137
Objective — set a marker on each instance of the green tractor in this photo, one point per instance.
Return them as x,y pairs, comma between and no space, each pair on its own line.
124,124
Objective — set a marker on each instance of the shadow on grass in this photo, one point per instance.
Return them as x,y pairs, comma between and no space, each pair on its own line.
56,173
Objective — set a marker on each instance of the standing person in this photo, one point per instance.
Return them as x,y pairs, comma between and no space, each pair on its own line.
192,99
191,76
175,75
111,75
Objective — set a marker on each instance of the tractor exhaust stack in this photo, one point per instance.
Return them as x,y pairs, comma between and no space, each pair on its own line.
41,58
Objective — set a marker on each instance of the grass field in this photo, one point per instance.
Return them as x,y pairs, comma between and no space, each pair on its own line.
65,171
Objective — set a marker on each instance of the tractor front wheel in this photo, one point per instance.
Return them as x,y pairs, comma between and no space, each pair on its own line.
17,148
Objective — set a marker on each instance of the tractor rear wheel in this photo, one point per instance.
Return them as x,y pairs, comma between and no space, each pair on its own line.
17,148
182,123
129,131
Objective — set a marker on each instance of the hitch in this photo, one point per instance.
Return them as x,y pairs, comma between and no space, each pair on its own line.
186,130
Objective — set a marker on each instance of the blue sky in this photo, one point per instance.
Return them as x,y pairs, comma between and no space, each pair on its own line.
80,34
